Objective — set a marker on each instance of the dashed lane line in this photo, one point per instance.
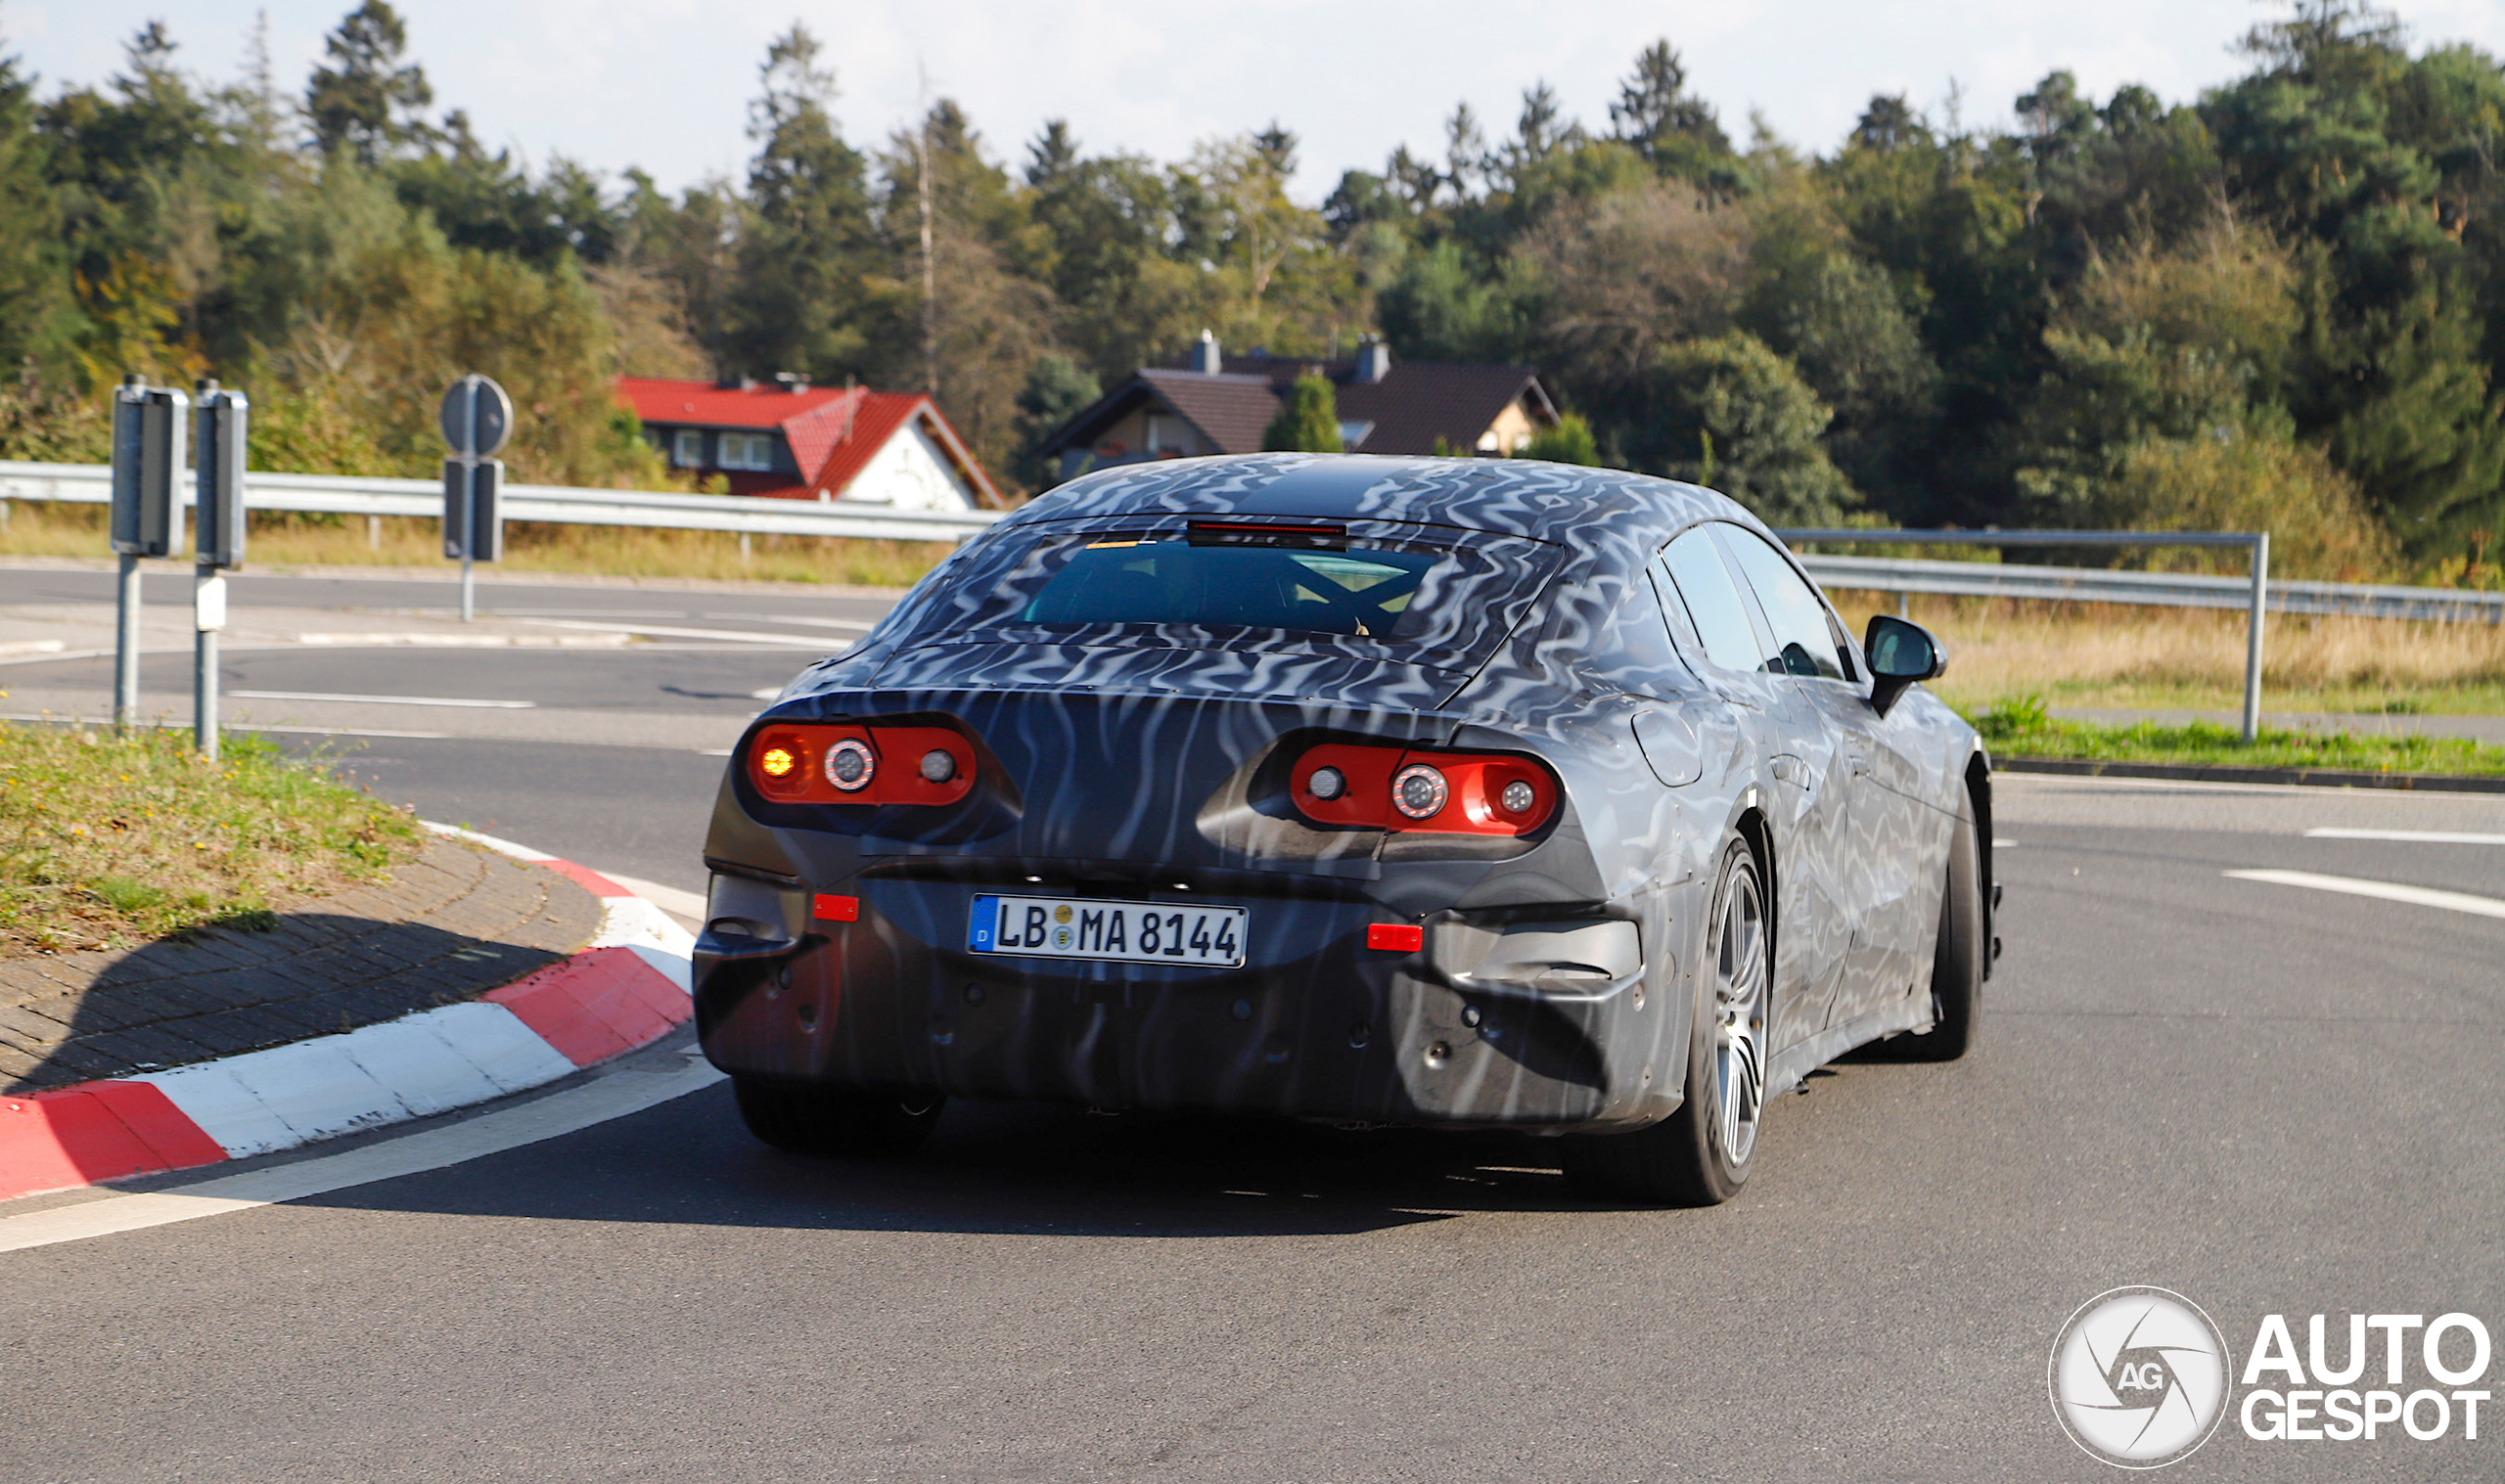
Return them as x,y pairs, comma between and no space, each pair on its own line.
2406,836
2388,891
385,700
737,636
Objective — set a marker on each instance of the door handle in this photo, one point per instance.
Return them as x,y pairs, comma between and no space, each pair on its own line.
1860,766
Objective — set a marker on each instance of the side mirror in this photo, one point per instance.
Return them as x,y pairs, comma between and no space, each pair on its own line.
1900,655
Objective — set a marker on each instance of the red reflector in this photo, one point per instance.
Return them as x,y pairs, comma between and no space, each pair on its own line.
833,908
1398,937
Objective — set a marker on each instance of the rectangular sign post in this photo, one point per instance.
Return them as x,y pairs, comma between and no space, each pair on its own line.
147,513
219,429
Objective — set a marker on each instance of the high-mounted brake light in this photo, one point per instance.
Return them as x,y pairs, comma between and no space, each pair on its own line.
818,763
1391,788
1265,534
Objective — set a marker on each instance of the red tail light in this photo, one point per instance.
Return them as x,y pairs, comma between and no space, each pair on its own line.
1400,789
806,763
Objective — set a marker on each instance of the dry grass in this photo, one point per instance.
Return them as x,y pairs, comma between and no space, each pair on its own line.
106,840
279,541
2082,654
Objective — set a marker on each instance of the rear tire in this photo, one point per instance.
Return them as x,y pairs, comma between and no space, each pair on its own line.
1702,1154
1957,965
803,1119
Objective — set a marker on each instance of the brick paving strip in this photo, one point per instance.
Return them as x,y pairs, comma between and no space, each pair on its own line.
452,925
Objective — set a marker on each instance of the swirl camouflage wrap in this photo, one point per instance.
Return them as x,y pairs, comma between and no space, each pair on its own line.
1190,694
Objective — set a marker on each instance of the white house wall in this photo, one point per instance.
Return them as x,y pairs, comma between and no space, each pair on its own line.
911,473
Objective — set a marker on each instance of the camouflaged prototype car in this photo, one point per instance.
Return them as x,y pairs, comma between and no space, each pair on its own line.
1450,792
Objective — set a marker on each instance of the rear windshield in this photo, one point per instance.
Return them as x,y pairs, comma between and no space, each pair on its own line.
1424,595
1363,594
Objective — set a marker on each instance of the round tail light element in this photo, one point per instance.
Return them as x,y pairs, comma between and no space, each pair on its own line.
1326,783
776,762
1419,791
938,765
850,765
1519,798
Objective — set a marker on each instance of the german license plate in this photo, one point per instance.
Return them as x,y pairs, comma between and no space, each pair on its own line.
1129,932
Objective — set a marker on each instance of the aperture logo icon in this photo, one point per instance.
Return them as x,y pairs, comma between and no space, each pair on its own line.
2139,1377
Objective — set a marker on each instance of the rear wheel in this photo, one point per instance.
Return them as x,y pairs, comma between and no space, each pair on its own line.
1702,1154
836,1120
1957,964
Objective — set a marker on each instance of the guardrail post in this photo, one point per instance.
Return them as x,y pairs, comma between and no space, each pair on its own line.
2252,635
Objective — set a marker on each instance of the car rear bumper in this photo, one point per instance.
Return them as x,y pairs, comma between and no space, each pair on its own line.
1342,1032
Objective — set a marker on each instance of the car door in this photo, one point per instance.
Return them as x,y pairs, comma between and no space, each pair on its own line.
1864,833
1814,931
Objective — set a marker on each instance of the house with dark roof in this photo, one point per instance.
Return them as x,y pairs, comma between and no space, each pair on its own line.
1220,404
790,440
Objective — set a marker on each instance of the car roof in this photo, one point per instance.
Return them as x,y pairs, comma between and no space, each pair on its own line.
1565,502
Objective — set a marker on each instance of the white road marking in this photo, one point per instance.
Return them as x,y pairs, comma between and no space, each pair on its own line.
815,624
671,899
599,640
45,646
768,694
713,752
2388,891
385,701
2001,844
737,636
2408,837
595,1102
185,726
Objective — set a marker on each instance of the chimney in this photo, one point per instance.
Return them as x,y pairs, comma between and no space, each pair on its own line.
1374,359
790,380
1205,360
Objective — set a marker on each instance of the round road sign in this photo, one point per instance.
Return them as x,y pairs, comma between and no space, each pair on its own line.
478,415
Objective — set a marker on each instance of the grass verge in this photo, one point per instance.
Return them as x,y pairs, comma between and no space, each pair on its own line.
107,841
2021,728
282,539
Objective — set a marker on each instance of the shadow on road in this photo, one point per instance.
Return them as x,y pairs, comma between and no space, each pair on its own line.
999,1168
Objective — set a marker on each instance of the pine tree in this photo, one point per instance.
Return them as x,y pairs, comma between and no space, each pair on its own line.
1309,423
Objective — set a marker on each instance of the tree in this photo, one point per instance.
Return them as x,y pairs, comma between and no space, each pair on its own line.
1057,389
1310,421
36,315
1732,414
365,102
799,295
1671,128
1568,442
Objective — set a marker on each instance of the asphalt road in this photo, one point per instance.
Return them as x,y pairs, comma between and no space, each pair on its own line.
2267,1097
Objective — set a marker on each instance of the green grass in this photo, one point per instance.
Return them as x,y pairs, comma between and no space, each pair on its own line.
107,841
2022,728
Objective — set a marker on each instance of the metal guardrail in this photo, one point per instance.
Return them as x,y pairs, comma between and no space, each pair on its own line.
2255,585
2072,584
2255,592
92,483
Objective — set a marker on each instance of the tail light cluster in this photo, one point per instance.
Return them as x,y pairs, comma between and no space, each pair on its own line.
1401,789
811,764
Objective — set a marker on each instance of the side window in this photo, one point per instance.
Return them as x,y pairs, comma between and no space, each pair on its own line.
690,450
1805,643
1712,601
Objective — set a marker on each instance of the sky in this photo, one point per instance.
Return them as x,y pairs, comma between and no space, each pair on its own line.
664,84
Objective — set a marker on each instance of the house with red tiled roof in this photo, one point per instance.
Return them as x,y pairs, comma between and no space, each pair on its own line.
1221,404
790,440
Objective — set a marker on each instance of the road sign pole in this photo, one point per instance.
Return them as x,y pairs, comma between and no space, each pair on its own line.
126,646
204,580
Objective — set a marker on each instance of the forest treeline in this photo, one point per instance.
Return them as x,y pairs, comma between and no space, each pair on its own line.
2280,306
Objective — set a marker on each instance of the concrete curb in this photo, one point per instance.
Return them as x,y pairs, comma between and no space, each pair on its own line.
628,988
2227,773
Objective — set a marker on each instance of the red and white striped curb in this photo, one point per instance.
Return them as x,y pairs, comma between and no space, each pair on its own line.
626,990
